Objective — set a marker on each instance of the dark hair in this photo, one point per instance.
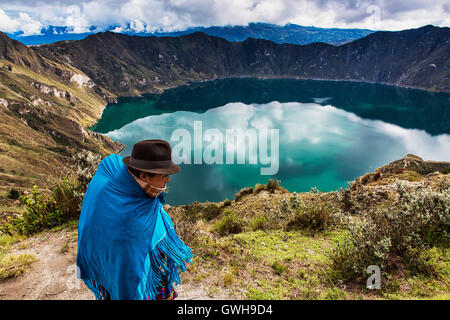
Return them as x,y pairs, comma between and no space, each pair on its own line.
137,172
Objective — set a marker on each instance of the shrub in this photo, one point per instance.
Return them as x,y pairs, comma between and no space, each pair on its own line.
86,164
41,212
417,220
315,215
273,185
278,268
210,211
68,197
258,223
186,229
227,202
430,262
243,192
62,204
229,224
278,216
258,188
13,194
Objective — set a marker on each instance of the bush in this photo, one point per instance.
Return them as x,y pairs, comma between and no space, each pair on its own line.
317,215
197,210
13,194
69,197
210,211
273,185
243,192
404,228
41,212
430,262
278,268
86,164
259,188
258,223
61,205
229,224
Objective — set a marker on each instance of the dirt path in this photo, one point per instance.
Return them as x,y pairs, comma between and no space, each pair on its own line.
53,275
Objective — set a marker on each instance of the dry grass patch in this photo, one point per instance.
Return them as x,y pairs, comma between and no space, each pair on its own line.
14,265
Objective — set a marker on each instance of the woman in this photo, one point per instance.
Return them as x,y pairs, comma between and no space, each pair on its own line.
127,244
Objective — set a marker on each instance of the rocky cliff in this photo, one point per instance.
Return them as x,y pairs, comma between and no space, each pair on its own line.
45,107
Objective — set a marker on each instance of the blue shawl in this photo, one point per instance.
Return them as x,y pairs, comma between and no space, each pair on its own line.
126,240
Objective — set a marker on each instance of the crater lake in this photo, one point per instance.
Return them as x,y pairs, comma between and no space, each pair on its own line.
330,132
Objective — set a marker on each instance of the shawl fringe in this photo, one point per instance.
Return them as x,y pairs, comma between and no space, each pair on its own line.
164,262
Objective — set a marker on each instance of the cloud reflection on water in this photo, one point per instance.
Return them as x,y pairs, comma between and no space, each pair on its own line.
320,146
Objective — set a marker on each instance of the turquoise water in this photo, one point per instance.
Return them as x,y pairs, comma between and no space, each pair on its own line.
329,132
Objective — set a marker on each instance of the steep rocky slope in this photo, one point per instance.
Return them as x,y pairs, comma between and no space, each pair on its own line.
45,107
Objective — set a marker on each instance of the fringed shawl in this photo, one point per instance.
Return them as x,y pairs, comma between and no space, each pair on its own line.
126,240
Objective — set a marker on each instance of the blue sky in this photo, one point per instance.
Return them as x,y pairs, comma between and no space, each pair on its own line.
30,16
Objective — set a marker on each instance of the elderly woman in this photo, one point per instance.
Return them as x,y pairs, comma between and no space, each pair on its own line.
127,244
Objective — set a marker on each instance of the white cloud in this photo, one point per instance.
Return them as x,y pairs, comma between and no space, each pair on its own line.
23,23
170,15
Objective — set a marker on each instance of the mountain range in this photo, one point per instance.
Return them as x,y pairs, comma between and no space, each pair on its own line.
289,33
129,65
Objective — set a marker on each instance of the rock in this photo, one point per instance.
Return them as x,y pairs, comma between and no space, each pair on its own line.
82,80
4,102
410,162
435,173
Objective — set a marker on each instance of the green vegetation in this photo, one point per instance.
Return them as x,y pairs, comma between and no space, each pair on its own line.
12,265
62,204
13,194
315,215
318,245
274,244
229,224
403,229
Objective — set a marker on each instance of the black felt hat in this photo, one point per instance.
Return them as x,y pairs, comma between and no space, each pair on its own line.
154,156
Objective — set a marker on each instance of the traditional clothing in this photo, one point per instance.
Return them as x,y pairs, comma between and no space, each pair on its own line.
126,240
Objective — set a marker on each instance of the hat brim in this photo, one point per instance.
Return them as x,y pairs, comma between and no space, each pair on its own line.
169,170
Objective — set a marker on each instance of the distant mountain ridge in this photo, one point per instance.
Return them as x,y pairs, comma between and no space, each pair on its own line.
289,33
130,65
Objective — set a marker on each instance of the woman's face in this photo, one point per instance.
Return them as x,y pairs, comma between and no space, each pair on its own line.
157,180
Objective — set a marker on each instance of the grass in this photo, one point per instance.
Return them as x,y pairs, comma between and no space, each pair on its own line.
280,246
64,248
279,264
5,244
279,254
30,142
290,246
14,265
230,223
273,264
